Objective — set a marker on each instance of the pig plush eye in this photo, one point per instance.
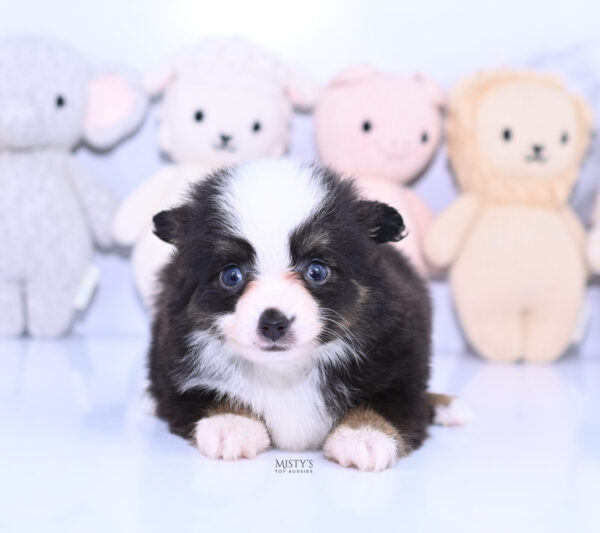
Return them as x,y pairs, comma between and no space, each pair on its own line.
564,138
507,134
367,126
424,137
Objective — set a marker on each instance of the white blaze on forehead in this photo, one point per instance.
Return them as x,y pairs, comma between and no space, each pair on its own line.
267,200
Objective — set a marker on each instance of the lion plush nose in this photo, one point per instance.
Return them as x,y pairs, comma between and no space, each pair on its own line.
273,324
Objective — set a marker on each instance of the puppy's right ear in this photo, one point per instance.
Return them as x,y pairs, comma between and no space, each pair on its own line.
171,225
382,221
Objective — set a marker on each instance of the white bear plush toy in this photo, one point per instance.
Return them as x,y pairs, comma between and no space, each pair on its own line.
52,209
224,101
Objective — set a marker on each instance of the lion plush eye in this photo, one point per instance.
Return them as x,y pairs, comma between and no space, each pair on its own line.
507,134
367,126
564,138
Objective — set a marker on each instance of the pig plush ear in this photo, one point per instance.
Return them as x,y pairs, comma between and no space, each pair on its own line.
432,89
353,75
117,105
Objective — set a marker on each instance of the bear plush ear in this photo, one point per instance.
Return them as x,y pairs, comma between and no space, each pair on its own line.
301,90
353,76
382,222
116,106
171,225
432,89
156,79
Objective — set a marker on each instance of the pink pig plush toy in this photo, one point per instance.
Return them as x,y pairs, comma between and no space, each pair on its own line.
383,130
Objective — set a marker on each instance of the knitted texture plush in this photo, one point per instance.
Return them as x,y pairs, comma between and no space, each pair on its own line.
225,100
516,140
383,130
52,209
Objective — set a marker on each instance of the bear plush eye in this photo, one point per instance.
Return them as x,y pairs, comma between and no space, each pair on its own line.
199,116
424,137
256,127
564,138
367,126
60,101
507,134
317,272
232,276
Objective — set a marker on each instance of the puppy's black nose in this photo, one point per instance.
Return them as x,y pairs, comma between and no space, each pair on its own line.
273,324
537,148
225,138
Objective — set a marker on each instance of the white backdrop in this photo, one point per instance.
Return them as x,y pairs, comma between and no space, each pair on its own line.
447,40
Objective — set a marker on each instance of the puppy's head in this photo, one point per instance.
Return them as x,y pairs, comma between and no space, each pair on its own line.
275,259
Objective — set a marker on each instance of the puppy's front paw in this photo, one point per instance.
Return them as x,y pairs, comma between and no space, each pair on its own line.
231,437
365,448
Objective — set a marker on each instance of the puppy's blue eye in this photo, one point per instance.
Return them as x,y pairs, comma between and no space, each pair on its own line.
317,272
232,276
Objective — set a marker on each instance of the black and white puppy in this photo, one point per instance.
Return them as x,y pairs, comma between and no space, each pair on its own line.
284,320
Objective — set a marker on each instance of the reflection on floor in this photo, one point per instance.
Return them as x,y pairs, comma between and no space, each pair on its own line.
77,454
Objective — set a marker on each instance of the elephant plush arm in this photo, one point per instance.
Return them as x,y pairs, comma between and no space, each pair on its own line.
448,231
135,213
99,204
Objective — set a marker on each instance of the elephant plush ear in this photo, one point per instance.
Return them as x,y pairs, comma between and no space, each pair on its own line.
117,105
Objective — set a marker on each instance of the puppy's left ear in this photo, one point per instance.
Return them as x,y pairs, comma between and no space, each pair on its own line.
382,221
171,226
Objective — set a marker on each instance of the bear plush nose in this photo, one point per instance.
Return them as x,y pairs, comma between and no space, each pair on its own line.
273,324
225,138
537,148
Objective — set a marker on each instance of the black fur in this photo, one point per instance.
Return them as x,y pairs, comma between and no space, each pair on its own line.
384,303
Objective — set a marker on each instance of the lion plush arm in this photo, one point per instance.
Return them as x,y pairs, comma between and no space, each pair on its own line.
136,212
574,226
593,244
449,229
97,201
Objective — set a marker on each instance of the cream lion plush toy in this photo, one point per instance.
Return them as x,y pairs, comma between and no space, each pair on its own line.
225,100
516,250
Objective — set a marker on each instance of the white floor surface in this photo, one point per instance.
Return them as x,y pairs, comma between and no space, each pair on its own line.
77,454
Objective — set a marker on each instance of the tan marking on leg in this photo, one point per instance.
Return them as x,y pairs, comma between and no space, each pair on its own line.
365,440
231,431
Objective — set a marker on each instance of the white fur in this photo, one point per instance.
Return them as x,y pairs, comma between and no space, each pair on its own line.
286,394
456,413
268,228
285,294
299,194
231,437
365,448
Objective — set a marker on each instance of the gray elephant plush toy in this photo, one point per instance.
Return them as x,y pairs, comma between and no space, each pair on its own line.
52,209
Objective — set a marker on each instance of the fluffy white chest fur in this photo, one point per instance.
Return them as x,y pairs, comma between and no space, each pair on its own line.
289,401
